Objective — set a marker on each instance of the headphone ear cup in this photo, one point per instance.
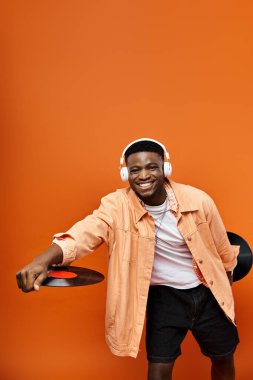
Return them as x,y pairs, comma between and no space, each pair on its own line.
124,174
167,169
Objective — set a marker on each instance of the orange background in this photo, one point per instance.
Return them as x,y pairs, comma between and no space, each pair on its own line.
80,79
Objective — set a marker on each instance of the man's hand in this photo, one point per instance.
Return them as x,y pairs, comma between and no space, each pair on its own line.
230,277
31,277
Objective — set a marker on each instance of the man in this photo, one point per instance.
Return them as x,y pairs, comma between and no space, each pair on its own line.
169,259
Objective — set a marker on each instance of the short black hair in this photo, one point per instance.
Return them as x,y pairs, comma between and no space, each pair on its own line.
144,146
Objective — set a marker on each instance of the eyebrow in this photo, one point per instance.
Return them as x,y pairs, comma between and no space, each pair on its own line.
138,166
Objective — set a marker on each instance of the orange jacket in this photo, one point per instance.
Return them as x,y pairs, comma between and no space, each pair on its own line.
128,230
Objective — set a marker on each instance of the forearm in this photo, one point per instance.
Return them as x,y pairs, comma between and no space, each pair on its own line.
227,252
53,255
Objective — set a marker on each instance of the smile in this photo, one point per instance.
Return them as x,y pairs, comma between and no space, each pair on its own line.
145,185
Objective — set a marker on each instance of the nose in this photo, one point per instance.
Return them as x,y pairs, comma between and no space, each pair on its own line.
144,174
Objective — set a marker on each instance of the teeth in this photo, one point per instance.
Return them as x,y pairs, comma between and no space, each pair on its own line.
144,185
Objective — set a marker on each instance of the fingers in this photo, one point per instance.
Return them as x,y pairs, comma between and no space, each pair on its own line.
31,277
39,281
21,280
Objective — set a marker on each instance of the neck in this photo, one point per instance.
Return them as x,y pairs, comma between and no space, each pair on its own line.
156,199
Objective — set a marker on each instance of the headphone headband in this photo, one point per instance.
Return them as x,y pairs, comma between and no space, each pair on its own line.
143,139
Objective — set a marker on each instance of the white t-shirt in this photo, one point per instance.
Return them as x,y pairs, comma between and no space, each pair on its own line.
172,261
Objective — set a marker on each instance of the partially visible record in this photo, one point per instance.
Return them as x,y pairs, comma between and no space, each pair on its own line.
72,276
244,259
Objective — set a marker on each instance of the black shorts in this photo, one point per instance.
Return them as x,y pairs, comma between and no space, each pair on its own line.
172,312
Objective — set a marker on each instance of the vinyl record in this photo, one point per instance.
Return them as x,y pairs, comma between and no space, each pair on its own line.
72,276
244,259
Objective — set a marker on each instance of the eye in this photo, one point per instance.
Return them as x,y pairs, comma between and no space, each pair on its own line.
134,170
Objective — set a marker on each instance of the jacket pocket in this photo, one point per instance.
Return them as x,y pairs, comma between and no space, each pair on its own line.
205,233
131,246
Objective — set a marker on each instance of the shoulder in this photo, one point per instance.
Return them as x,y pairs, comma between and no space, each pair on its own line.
114,198
110,207
192,197
196,192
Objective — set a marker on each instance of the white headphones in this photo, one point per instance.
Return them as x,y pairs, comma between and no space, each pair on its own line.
167,168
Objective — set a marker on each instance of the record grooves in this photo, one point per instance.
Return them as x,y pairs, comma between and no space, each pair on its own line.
244,259
72,276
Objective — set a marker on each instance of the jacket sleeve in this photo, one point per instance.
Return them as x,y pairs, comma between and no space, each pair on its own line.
87,234
227,252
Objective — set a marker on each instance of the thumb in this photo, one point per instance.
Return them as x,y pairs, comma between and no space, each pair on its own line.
39,281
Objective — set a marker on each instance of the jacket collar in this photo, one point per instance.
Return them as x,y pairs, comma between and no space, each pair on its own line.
139,210
180,202
185,197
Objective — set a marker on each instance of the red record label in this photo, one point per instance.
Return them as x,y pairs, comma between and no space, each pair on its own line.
62,274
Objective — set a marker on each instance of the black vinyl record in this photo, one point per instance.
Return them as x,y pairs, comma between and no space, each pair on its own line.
72,276
244,259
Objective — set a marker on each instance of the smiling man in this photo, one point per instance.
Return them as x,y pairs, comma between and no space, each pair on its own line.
146,176
169,261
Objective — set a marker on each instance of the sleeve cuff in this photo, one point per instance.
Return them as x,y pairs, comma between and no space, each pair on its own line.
230,266
67,244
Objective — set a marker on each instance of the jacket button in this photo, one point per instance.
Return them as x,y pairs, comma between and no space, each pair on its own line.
201,261
211,282
189,238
